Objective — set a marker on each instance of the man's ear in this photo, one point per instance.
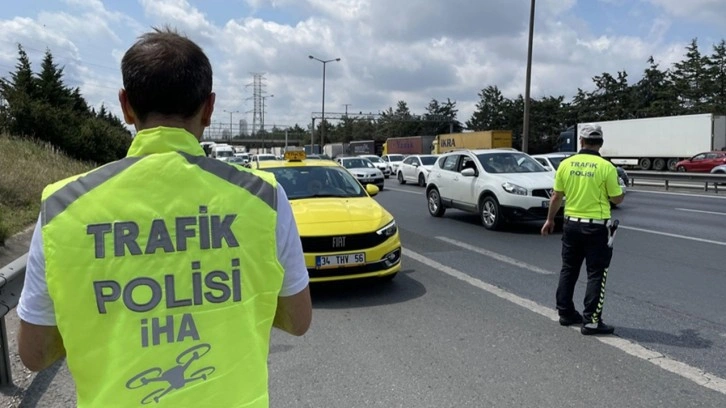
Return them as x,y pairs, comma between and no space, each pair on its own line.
129,115
208,110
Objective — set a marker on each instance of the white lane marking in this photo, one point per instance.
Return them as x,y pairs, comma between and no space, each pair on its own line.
701,211
635,190
403,191
667,234
694,374
497,256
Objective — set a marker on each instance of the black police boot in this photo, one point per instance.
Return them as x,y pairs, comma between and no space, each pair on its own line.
596,328
570,319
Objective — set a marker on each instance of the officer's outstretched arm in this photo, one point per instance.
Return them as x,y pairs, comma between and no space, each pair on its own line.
39,346
294,313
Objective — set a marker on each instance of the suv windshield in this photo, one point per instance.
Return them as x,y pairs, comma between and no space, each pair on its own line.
395,157
506,162
317,181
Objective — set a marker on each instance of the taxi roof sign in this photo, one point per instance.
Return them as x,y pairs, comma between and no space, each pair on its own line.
295,155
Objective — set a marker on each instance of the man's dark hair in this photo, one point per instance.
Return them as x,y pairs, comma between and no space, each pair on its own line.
166,73
593,141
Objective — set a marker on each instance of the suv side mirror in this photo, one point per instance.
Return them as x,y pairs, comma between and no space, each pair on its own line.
468,172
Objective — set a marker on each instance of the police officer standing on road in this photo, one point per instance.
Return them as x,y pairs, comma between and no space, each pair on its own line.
590,184
161,275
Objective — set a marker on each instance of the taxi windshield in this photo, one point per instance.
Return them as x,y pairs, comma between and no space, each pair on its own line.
317,181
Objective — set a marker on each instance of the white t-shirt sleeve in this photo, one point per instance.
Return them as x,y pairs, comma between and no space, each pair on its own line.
35,305
289,248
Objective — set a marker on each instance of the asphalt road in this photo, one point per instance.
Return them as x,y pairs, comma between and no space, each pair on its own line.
469,321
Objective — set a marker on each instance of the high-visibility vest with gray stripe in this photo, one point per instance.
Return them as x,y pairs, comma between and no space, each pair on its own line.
163,272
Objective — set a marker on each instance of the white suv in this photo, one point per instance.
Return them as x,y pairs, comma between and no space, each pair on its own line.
499,185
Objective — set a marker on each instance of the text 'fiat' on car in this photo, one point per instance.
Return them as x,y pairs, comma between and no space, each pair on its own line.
345,233
363,170
499,185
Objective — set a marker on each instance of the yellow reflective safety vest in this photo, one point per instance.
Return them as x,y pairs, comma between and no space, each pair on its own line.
163,271
588,181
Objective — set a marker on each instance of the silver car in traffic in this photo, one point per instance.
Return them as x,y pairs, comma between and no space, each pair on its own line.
363,170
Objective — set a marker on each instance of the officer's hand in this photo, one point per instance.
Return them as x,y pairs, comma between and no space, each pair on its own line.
548,227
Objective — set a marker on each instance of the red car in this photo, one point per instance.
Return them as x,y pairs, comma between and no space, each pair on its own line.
702,162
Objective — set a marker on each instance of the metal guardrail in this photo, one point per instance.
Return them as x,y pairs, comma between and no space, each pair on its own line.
709,180
12,277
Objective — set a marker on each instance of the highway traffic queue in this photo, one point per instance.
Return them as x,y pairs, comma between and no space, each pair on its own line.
346,234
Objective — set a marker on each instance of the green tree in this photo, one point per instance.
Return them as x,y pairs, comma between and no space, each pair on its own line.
398,123
654,93
491,110
441,118
50,83
42,107
716,74
690,80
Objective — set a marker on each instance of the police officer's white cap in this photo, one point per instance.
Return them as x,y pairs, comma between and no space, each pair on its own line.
591,131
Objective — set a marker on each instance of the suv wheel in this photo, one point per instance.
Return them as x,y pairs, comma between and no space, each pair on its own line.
490,214
400,178
436,208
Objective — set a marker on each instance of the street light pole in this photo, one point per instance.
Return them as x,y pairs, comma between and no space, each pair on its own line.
230,122
262,122
322,120
525,126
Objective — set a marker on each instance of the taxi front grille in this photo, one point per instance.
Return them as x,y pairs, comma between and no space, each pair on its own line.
340,243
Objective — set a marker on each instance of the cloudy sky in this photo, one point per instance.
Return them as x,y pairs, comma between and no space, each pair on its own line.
390,50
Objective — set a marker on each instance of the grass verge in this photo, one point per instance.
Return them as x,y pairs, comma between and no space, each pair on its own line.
26,167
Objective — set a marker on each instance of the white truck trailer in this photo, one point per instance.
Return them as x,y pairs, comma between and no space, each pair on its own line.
334,150
658,143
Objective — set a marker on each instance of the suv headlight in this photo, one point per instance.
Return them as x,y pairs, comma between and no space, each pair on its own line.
514,189
388,230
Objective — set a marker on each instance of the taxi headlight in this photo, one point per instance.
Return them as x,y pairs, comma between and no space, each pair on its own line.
514,189
388,230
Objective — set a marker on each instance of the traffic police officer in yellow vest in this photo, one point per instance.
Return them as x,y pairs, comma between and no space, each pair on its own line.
589,183
161,275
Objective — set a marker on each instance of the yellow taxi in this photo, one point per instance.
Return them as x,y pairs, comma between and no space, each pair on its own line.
345,233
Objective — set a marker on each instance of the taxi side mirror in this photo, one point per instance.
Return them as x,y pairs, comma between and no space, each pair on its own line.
372,189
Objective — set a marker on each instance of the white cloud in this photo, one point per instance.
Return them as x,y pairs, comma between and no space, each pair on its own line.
389,50
711,11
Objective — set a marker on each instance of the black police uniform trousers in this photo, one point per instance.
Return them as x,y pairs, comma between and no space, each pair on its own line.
582,241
